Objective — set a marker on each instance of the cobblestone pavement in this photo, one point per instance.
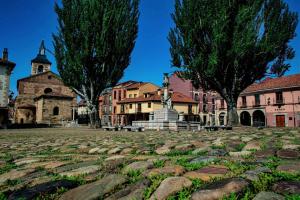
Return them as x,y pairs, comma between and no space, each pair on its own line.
243,163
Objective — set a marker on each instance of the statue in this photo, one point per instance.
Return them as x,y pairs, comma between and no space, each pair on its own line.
166,99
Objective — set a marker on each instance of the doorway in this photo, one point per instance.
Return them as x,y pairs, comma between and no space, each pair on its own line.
280,120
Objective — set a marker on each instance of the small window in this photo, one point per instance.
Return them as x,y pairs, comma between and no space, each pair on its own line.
115,109
124,93
1,85
130,96
47,90
115,94
40,69
130,106
120,95
49,77
135,95
149,105
56,111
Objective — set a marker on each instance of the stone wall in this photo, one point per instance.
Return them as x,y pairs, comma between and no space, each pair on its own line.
45,110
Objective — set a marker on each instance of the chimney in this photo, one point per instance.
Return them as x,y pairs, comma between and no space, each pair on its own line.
5,55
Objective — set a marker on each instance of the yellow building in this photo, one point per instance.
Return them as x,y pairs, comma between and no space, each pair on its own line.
139,107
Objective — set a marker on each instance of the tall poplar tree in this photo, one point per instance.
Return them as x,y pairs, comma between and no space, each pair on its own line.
93,45
227,45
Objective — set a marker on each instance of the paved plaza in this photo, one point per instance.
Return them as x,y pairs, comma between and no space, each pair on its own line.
57,163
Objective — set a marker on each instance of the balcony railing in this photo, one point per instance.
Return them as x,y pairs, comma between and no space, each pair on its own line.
278,101
243,105
256,104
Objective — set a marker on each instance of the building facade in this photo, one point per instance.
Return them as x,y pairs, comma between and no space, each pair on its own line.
6,68
42,96
205,99
274,102
139,108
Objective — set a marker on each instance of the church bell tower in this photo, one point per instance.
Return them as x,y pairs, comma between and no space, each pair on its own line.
40,63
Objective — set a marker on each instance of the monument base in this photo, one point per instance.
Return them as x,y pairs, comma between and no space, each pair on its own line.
166,119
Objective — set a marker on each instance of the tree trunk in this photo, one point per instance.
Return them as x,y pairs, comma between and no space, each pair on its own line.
232,115
93,109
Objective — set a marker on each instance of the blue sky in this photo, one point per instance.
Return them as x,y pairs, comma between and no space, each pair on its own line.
24,23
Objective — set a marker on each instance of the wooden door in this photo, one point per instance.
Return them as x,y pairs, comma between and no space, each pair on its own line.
280,120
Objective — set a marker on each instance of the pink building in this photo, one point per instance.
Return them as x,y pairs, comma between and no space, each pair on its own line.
274,102
205,99
108,103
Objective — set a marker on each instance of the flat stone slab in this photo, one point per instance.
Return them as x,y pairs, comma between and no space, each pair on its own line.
240,153
24,161
291,168
287,187
81,171
220,189
49,187
139,165
253,175
116,157
14,174
207,173
203,159
268,196
114,151
175,170
264,153
95,190
170,186
253,145
135,191
163,150
217,152
288,154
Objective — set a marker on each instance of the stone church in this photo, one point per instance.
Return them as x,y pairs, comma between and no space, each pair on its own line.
42,97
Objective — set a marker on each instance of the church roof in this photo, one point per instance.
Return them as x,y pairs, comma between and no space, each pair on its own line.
41,57
40,74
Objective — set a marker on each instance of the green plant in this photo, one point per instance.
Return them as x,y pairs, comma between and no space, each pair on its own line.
240,147
272,162
2,196
264,182
293,197
13,182
159,163
232,196
190,166
176,152
219,146
155,181
134,176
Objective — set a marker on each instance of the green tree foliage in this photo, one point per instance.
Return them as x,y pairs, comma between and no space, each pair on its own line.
227,45
93,45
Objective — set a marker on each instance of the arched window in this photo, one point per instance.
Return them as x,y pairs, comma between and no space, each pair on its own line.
47,90
56,111
40,69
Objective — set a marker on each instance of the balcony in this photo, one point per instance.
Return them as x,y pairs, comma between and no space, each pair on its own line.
243,105
256,104
278,101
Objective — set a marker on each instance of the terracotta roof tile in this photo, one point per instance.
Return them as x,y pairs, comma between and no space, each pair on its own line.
275,83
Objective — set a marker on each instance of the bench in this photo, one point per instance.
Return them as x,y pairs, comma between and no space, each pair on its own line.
110,128
134,128
211,128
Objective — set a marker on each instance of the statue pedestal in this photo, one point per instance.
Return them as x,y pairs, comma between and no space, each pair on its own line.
165,114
